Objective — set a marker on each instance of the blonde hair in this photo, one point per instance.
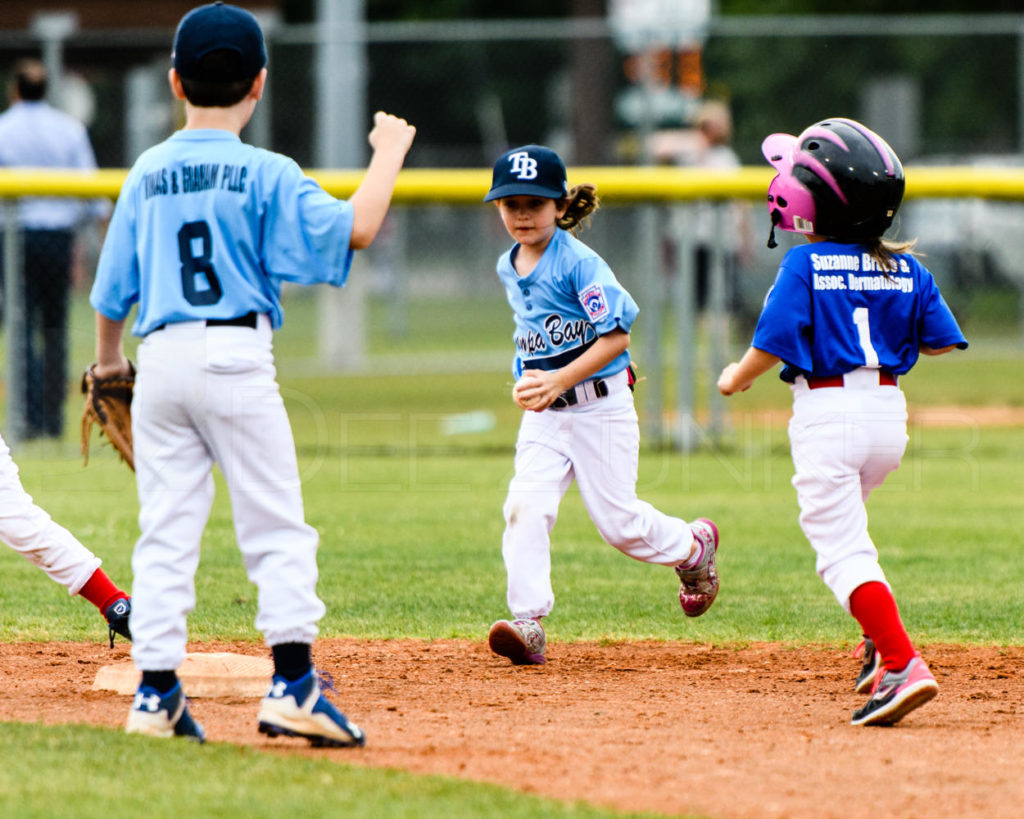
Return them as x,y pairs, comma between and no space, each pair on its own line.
579,203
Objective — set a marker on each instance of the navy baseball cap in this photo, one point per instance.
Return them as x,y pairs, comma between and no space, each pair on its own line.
531,170
218,27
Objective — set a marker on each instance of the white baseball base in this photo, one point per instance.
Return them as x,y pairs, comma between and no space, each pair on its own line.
202,675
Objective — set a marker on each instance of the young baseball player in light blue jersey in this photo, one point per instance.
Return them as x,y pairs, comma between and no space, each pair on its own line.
848,315
204,232
574,379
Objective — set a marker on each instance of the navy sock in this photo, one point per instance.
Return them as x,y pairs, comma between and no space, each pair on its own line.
162,681
292,660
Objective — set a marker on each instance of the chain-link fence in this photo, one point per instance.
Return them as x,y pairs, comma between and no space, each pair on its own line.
426,295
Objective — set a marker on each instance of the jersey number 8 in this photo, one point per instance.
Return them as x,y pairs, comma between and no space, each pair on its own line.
195,236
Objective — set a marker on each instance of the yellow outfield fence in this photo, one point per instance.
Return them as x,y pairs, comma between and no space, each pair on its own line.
627,185
692,318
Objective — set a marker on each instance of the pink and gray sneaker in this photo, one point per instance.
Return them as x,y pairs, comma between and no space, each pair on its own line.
522,641
700,582
896,693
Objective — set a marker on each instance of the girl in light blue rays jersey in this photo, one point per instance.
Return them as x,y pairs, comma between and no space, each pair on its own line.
574,381
848,315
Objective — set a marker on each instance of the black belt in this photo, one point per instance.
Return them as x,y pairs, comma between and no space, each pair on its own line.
569,398
248,320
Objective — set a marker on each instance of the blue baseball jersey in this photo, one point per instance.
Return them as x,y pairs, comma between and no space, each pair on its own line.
832,309
569,299
207,226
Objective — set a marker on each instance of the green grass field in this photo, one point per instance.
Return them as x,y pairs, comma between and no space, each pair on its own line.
410,522
394,499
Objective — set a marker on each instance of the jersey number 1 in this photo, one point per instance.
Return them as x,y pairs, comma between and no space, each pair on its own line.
195,236
860,319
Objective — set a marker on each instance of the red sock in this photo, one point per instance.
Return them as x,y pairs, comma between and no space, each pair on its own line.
101,591
875,609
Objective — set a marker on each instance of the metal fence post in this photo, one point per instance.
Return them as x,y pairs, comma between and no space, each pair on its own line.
341,125
718,324
648,245
685,314
14,326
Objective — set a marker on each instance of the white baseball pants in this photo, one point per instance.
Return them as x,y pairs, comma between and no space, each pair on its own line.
845,441
207,395
598,444
30,531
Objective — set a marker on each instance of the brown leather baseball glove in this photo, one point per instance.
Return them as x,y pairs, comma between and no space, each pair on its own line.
108,403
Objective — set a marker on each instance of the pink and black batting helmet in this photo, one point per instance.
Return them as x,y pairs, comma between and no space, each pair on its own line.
837,179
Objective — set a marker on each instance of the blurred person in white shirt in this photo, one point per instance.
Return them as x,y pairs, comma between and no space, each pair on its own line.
34,134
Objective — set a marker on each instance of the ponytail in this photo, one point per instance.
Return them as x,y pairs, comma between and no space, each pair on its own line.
884,251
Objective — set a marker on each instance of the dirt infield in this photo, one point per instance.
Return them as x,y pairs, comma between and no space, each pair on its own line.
676,728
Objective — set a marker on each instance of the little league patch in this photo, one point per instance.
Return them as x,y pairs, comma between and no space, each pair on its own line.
594,302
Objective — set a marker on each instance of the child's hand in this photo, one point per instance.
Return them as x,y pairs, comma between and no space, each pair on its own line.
391,133
740,376
726,381
537,390
524,391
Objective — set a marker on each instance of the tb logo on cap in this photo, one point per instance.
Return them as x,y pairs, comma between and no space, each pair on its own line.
523,165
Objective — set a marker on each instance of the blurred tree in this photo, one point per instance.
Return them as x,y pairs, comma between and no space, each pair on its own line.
799,80
467,97
475,99
867,7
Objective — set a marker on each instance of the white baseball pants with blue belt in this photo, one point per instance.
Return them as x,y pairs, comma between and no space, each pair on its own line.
597,443
207,395
845,441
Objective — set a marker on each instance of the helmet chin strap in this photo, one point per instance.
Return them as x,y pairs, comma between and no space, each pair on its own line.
776,218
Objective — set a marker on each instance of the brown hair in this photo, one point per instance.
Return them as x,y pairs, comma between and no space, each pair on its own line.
884,251
29,80
580,202
214,93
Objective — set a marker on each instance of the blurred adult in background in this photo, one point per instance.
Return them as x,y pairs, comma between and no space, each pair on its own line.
34,134
715,152
711,227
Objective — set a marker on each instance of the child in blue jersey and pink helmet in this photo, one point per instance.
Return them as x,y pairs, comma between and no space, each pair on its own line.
848,315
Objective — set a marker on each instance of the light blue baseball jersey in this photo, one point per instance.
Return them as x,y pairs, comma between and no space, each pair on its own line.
832,310
569,299
207,226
